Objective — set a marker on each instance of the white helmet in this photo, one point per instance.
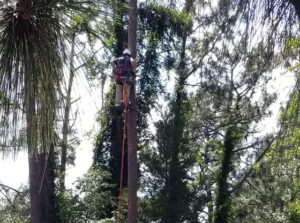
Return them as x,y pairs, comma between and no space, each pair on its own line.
127,51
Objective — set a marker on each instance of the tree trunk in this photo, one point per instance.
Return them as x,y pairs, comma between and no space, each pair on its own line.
210,207
131,127
32,159
223,201
66,130
48,185
117,117
41,167
176,201
175,187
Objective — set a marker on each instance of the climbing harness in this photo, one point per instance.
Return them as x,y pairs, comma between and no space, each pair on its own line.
123,69
123,150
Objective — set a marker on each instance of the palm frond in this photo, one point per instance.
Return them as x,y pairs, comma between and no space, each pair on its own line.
33,34
32,52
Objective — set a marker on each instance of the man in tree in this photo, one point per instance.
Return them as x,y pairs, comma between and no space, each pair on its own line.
124,69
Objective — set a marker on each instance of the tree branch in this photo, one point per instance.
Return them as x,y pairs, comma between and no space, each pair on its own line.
10,188
239,184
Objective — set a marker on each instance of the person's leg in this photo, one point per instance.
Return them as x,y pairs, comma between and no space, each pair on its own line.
129,83
119,93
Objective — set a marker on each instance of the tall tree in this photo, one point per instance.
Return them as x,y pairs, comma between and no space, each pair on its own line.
131,127
32,49
170,161
239,114
175,188
32,55
107,151
271,194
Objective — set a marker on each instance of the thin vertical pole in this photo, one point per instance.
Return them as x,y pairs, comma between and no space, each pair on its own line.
131,127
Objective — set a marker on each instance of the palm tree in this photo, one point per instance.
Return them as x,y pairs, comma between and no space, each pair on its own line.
31,59
32,55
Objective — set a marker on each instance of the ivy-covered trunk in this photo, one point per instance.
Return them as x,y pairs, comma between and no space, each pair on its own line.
223,200
175,205
117,118
176,200
107,153
210,206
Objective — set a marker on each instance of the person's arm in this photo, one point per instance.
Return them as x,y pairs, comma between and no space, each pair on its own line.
113,64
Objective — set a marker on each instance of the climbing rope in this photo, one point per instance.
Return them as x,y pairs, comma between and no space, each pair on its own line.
123,150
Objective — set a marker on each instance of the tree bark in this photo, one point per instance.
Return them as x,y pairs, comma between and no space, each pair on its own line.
41,166
131,127
32,161
40,159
